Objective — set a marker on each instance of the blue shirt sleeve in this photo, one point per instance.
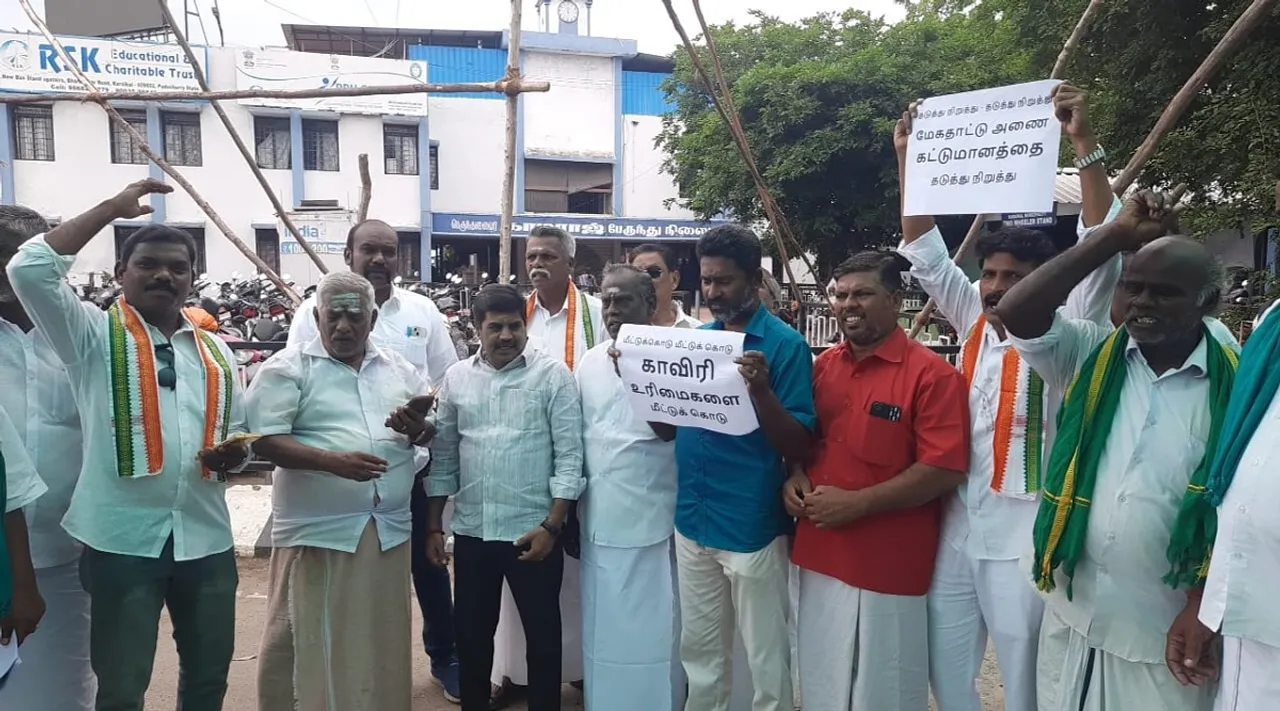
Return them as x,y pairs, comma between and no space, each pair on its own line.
792,380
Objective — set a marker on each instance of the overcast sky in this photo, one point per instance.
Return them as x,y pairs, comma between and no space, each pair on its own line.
257,22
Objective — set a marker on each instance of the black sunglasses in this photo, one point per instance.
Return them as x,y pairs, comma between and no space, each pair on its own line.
654,273
166,375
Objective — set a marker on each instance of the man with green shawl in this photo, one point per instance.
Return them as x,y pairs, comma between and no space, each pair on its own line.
1124,530
21,606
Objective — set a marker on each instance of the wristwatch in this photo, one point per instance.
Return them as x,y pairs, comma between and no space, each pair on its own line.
553,528
1098,154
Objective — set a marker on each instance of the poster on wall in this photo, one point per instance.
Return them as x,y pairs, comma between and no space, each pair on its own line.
30,64
326,233
987,151
283,70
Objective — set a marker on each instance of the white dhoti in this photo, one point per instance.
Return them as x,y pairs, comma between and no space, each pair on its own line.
630,656
969,600
1073,677
1250,676
860,650
338,630
508,641
55,674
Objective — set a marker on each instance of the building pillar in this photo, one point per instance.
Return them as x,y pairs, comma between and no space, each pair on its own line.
155,137
424,197
296,162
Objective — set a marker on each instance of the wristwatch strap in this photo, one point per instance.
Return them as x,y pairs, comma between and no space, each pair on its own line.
1099,154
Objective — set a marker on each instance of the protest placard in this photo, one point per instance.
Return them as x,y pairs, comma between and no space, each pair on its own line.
686,377
987,151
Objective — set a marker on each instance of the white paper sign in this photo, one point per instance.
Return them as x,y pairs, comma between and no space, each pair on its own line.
686,377
988,151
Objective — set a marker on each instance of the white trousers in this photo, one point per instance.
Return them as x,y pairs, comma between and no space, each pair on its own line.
970,599
1073,677
742,692
630,657
1250,676
509,644
719,589
55,674
860,650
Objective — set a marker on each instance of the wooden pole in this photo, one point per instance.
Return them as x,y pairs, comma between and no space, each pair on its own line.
500,87
1254,15
366,189
1086,21
141,142
250,159
514,79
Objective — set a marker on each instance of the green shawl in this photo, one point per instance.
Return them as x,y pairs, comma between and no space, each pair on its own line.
6,567
1085,420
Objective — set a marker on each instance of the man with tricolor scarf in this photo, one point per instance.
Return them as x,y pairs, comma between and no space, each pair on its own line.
563,322
1122,539
978,587
159,403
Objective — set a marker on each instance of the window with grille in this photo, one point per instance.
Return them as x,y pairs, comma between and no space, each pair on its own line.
410,250
33,132
123,232
319,145
272,142
182,138
435,166
400,148
267,245
123,148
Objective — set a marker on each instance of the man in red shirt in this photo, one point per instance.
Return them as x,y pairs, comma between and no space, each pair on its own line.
893,437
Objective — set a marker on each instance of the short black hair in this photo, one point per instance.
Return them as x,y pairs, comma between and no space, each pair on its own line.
163,234
735,243
351,233
662,250
647,290
1021,243
497,299
887,265
19,224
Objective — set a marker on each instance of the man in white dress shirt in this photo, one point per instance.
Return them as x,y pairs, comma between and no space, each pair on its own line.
978,587
629,599
340,510
411,325
565,323
1124,530
659,262
36,393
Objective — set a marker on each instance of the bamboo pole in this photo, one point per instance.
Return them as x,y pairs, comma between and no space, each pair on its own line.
141,142
502,86
1087,18
366,189
249,158
513,79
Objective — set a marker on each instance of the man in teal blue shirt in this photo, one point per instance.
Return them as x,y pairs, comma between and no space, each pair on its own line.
730,522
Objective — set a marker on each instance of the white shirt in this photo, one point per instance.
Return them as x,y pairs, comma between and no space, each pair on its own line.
549,329
977,519
1158,438
630,499
409,324
109,513
684,320
36,392
1245,571
22,485
326,404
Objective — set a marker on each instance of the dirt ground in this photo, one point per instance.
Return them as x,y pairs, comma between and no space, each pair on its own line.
242,695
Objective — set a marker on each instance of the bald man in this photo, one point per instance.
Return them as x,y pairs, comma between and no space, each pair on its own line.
1122,537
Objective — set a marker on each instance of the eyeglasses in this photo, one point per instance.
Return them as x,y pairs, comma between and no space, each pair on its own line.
654,273
166,375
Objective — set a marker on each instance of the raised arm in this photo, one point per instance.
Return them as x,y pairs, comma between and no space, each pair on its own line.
917,226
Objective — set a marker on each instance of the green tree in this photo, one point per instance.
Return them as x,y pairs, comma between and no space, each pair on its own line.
818,100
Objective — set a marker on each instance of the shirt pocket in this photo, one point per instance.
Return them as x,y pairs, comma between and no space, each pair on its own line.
519,409
881,442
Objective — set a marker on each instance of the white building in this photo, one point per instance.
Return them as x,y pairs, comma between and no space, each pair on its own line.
589,160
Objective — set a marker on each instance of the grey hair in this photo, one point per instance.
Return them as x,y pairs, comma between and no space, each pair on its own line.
771,286
1214,287
566,240
647,289
19,224
337,283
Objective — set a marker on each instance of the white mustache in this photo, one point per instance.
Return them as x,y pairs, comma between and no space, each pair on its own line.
539,273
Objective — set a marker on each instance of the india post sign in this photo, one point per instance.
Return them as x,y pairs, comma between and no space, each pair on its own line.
30,64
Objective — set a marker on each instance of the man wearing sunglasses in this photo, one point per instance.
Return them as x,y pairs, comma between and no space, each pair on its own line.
159,403
659,262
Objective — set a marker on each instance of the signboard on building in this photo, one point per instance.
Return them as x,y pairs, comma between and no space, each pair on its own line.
579,226
30,64
325,232
282,70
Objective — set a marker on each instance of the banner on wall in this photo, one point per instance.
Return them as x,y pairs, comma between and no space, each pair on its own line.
579,226
325,232
283,70
30,64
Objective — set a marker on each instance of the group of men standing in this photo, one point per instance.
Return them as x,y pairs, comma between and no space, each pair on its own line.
1087,489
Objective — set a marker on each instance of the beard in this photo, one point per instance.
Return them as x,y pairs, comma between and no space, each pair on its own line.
729,314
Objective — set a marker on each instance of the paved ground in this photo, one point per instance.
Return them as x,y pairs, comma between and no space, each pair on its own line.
249,623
